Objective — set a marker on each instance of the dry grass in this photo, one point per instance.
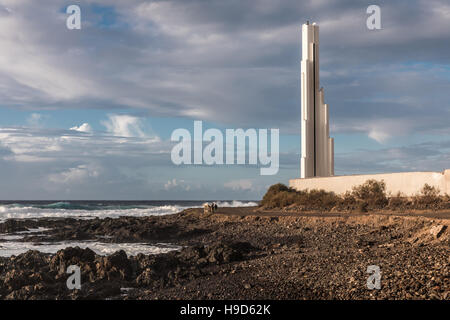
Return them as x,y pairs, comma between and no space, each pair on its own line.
369,196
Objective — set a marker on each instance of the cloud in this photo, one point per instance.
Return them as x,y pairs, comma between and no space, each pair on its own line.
42,163
380,130
4,151
378,135
176,184
39,144
233,62
35,119
124,126
85,127
75,175
426,156
241,184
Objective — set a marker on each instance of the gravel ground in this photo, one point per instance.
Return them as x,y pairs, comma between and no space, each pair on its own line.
242,253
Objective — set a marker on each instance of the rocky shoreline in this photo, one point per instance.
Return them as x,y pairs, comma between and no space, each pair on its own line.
238,253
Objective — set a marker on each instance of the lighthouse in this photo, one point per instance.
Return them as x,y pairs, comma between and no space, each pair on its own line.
317,147
317,161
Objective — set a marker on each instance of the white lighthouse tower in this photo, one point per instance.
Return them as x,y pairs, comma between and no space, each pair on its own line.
317,164
317,147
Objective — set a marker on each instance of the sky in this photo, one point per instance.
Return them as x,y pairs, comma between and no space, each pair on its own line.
88,114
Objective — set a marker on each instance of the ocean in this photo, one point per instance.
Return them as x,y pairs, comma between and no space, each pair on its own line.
101,209
12,243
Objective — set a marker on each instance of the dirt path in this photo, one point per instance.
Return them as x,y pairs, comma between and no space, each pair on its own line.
250,211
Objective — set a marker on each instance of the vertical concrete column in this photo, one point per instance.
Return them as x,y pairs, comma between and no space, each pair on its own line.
330,156
307,96
316,159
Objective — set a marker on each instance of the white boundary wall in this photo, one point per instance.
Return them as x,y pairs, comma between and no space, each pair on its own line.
408,183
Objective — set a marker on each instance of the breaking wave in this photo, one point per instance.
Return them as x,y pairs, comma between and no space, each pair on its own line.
236,203
15,248
91,210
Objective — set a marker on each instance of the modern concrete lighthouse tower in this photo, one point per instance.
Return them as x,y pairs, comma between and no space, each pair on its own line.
317,146
317,164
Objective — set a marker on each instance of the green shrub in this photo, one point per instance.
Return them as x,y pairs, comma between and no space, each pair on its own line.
398,201
279,187
372,193
279,196
428,197
429,191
